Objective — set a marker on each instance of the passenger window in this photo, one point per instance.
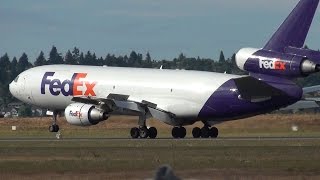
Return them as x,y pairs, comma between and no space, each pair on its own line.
16,79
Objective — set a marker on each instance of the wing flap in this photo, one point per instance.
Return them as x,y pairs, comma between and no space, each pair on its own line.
119,103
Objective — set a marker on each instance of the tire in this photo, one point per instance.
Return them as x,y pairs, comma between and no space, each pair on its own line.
205,132
176,132
51,128
153,132
196,132
214,132
134,133
56,128
183,132
144,132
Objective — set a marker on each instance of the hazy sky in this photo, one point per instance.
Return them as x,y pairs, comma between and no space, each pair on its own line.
165,28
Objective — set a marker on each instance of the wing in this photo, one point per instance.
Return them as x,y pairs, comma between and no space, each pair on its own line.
306,103
121,105
311,89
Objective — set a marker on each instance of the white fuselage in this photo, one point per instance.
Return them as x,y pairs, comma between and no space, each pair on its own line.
180,92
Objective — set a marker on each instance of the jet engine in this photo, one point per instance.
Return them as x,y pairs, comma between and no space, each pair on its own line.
81,114
274,63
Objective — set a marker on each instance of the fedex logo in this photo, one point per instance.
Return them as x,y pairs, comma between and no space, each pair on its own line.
76,86
273,64
75,114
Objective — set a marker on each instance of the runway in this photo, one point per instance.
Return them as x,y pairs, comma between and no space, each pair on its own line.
80,139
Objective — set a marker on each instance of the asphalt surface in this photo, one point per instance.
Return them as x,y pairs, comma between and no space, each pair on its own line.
37,139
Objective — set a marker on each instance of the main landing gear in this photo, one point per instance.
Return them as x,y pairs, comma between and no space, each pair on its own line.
143,131
179,132
54,127
205,132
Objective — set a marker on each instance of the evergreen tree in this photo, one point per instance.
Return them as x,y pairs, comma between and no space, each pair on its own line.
148,61
5,69
94,60
124,62
108,60
76,55
222,58
69,58
55,57
81,59
13,68
88,58
23,63
100,61
138,63
41,60
181,57
133,58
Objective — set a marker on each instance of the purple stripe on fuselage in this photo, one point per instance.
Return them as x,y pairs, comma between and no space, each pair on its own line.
225,104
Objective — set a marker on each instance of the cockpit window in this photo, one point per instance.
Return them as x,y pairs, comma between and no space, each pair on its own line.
16,79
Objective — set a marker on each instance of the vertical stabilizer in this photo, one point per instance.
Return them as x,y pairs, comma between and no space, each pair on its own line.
294,29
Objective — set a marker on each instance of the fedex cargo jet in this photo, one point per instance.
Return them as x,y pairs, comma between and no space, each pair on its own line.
88,95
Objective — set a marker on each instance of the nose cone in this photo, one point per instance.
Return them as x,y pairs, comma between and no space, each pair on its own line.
12,89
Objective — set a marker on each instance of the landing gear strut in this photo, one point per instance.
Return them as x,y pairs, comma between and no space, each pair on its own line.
143,131
54,127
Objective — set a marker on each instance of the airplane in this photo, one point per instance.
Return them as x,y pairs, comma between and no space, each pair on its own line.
89,95
306,102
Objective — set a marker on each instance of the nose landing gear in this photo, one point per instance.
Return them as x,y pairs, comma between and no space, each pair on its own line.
54,127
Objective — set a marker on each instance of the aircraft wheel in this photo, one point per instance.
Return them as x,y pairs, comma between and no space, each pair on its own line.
54,128
196,132
205,132
214,132
51,128
153,132
144,132
183,132
134,133
176,132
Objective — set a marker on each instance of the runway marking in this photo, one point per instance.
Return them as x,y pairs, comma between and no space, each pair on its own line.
22,139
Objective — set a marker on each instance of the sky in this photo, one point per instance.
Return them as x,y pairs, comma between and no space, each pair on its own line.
165,28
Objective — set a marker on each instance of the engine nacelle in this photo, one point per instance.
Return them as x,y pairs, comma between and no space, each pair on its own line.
274,63
81,114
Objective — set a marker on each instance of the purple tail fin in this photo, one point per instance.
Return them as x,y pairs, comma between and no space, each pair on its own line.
294,30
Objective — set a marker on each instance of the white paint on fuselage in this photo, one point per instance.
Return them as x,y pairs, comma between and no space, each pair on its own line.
181,92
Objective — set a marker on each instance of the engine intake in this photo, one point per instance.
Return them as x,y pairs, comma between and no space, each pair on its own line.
81,114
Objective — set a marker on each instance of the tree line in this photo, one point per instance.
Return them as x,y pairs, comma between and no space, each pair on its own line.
10,68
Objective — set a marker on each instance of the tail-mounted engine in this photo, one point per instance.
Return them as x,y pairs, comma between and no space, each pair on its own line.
275,63
84,114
